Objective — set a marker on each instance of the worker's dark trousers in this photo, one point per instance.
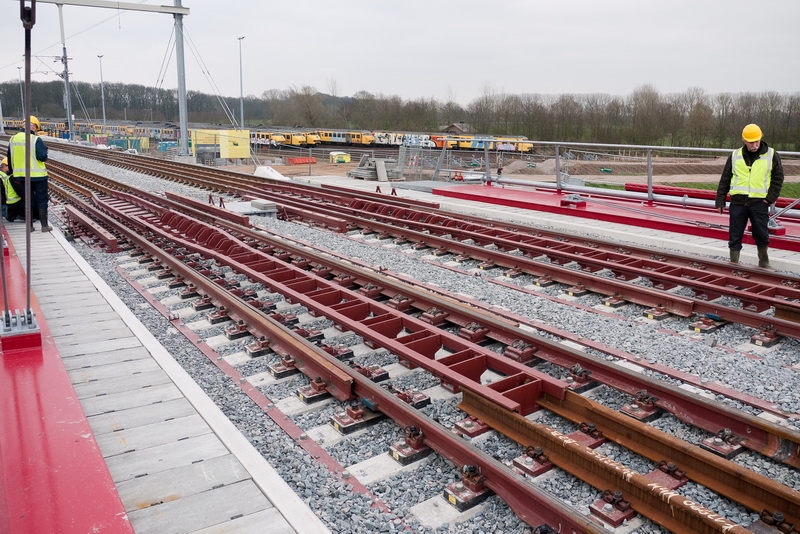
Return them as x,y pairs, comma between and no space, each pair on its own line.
40,195
758,215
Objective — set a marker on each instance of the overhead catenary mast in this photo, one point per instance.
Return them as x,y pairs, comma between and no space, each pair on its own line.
177,11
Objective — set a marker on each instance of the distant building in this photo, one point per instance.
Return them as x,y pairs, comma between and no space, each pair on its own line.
458,128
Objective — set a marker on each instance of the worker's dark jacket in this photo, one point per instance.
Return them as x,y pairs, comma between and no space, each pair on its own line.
775,180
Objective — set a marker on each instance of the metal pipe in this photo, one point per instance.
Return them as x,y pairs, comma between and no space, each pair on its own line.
28,15
632,195
21,96
67,95
241,86
558,170
102,92
182,101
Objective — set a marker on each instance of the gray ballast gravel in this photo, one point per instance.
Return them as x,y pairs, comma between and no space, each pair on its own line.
729,360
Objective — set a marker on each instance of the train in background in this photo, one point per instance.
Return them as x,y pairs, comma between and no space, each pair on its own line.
482,142
262,139
365,139
83,128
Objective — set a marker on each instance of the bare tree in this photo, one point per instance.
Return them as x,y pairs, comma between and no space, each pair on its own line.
722,107
791,123
272,105
691,117
365,112
700,124
771,106
482,110
645,103
595,114
308,105
452,112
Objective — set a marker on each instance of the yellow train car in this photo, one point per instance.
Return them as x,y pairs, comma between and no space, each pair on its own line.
153,132
444,141
166,134
414,139
312,138
53,128
296,138
349,138
480,142
265,139
513,144
14,124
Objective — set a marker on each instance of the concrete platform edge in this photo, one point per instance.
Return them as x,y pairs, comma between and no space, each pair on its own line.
264,475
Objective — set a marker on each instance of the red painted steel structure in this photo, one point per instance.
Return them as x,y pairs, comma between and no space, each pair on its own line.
659,216
53,477
705,194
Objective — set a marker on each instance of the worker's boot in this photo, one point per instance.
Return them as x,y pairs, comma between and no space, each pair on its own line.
45,227
735,255
763,258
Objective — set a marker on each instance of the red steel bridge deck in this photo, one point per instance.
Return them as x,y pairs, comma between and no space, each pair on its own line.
695,221
54,478
87,446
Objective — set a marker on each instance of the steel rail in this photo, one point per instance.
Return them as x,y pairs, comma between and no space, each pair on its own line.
613,287
376,322
382,326
408,209
755,491
776,441
531,504
398,284
701,527
756,433
528,504
647,497
282,340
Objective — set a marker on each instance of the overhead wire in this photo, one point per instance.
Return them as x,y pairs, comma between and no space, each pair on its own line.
209,78
80,101
162,73
207,74
84,30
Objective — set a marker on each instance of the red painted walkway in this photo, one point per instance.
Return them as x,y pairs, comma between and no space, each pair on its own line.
53,478
661,216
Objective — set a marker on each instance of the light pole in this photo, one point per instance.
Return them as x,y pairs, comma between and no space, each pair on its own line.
241,86
102,92
21,96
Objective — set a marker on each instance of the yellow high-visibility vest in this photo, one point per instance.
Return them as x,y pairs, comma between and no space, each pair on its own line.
11,195
751,181
17,146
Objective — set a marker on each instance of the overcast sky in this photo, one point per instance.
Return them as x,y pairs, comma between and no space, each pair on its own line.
445,50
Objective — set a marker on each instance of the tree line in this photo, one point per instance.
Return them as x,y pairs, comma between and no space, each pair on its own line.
692,118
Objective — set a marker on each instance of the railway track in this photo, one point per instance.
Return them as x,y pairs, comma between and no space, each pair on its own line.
447,340
716,292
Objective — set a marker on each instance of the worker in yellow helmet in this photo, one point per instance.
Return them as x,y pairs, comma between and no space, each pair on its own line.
38,170
10,198
753,175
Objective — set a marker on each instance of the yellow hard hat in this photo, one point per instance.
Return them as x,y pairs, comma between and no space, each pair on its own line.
35,121
4,162
751,133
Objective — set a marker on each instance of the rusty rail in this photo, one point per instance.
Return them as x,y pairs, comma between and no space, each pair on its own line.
662,505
